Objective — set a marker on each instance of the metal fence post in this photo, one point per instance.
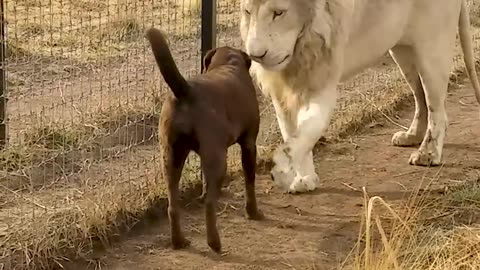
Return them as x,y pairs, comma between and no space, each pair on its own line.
3,78
209,23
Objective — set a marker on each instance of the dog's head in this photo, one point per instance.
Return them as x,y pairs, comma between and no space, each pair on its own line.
225,56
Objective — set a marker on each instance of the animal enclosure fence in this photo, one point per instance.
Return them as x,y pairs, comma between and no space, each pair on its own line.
82,96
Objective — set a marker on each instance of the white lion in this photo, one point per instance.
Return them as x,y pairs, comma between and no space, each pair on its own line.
303,48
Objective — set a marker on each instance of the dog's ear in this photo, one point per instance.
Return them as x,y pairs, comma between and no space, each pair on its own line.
208,59
247,59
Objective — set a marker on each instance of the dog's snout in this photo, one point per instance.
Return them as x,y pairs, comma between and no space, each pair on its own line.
259,56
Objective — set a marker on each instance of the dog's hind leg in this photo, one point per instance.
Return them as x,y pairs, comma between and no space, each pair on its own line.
214,167
249,163
174,157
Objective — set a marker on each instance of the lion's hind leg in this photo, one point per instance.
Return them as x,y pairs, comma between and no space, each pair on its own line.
434,61
405,59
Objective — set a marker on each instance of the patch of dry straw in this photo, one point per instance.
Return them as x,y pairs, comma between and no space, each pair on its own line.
414,242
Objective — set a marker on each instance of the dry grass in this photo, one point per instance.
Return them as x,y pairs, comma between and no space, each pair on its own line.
49,200
428,232
67,182
90,31
475,13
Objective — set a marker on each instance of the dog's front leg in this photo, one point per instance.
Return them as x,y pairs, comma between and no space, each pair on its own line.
294,159
214,167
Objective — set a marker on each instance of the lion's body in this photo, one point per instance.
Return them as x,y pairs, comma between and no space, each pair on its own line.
384,24
307,47
388,26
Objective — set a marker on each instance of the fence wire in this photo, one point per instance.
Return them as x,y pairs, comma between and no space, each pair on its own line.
83,100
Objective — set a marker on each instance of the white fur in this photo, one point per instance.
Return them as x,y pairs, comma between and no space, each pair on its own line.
312,121
312,45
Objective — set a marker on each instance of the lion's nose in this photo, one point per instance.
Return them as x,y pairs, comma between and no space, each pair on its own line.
258,56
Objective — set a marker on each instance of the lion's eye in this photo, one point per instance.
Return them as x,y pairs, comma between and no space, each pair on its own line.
277,13
247,12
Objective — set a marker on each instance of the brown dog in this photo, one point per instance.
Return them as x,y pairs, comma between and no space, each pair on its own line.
207,114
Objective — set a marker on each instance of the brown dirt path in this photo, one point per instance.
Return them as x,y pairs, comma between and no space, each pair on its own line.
316,230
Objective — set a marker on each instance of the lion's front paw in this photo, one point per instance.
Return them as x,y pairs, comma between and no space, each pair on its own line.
282,158
304,184
292,177
282,177
403,138
423,158
282,172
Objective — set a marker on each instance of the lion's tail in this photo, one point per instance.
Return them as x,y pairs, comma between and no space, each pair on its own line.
168,68
467,48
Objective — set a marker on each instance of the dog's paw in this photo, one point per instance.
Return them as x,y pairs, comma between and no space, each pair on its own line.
215,244
303,184
255,215
180,243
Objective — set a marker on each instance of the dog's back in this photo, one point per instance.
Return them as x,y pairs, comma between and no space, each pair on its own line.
221,100
226,93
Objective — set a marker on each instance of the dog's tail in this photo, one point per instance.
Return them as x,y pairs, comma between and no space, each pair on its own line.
168,68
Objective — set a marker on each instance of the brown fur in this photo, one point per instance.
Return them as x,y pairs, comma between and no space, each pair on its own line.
208,114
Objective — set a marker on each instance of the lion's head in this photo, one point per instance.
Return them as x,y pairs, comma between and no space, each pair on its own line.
271,29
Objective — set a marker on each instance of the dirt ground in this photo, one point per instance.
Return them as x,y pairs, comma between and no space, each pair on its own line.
314,230
308,231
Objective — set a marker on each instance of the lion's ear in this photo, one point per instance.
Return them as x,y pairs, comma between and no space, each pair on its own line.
247,59
208,59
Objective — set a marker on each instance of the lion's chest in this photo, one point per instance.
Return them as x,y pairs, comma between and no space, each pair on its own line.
290,92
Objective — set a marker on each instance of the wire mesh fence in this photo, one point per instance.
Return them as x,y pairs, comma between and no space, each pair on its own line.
83,97
83,100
